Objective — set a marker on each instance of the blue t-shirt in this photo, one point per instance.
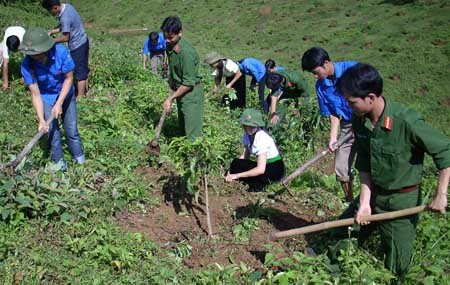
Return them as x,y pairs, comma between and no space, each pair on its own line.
70,22
50,77
331,101
253,67
159,46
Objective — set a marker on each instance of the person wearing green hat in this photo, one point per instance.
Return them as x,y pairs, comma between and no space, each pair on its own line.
47,70
269,165
224,67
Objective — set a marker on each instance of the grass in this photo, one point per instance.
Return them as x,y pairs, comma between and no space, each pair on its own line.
69,234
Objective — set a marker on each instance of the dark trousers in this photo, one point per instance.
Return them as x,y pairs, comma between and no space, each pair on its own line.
241,93
274,172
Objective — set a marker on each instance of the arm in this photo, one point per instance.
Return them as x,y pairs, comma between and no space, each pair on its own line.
217,81
5,84
235,78
180,92
364,198
334,128
274,118
258,170
38,105
67,85
54,30
144,60
439,202
63,38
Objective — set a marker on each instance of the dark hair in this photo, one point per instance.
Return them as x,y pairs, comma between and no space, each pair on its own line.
13,43
270,63
171,24
313,58
360,80
48,4
153,36
274,81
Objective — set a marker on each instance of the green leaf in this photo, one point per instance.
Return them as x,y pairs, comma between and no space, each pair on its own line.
22,200
66,217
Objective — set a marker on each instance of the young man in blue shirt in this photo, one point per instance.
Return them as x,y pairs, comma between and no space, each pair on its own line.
71,27
257,70
317,61
48,72
155,45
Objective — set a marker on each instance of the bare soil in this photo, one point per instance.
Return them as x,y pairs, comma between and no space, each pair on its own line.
178,218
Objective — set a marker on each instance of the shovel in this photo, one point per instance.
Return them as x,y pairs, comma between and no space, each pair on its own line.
13,164
153,146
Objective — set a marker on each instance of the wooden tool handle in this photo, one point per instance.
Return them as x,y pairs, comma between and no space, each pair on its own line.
346,222
30,145
160,125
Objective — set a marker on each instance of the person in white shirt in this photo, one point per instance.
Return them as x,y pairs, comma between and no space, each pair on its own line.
11,42
224,67
269,165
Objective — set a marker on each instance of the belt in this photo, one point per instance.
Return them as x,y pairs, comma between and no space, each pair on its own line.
276,158
406,189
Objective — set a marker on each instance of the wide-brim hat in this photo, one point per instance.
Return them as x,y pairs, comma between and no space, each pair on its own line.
36,41
252,118
212,58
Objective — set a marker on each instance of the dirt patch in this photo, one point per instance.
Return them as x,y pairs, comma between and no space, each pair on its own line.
179,220
265,11
422,90
446,101
439,42
394,77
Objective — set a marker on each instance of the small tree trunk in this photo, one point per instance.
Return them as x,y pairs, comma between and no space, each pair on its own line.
208,217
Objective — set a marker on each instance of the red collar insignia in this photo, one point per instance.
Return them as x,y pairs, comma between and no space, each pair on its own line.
289,84
387,123
177,48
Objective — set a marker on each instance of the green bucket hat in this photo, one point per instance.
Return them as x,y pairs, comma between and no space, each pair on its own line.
212,58
252,118
36,41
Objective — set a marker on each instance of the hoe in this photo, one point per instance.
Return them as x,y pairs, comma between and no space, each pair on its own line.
13,164
153,146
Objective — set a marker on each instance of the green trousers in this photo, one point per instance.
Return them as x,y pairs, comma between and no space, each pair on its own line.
397,235
190,113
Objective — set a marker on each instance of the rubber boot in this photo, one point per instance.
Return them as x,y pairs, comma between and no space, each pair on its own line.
347,186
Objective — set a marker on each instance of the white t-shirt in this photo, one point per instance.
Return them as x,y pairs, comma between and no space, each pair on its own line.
262,143
230,68
11,31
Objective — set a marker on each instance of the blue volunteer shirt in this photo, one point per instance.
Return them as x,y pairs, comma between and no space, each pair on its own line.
331,102
253,67
50,77
149,47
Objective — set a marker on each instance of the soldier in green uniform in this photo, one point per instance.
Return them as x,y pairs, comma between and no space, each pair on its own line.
287,86
184,80
391,141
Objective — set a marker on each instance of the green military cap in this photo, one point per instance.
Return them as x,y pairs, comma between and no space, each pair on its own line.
252,118
212,58
36,41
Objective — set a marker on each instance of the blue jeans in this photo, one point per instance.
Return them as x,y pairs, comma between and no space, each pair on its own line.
69,119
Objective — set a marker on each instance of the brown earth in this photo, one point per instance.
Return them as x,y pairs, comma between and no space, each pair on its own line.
179,219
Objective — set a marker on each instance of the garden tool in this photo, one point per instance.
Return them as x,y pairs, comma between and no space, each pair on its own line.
165,66
13,164
346,222
153,146
310,162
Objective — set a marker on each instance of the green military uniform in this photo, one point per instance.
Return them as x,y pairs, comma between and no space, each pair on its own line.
392,152
183,70
295,86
